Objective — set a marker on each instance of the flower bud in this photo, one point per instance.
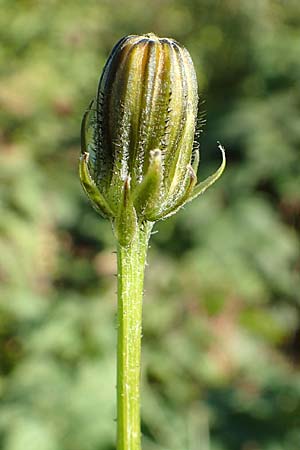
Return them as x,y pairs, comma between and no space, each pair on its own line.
139,161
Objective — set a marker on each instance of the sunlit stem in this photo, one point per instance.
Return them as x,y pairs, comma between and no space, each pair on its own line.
131,266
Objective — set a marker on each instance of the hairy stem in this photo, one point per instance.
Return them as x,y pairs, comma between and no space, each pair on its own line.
131,266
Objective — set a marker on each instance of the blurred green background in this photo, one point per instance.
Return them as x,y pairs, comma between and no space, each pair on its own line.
221,341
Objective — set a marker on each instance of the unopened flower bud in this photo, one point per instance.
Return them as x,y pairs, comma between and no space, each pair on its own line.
139,161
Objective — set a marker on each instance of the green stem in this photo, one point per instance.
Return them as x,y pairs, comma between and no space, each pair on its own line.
131,266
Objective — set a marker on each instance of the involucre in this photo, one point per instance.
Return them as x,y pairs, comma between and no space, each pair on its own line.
139,156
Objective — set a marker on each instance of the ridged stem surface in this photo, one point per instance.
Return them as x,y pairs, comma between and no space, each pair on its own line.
131,266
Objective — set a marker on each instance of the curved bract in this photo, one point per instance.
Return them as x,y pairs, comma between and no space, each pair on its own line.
139,160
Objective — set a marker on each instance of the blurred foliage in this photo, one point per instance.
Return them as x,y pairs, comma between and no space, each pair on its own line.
221,358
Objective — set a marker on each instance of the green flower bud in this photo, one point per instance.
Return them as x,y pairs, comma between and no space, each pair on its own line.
139,159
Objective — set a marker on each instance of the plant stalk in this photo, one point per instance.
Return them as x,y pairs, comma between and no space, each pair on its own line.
131,267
